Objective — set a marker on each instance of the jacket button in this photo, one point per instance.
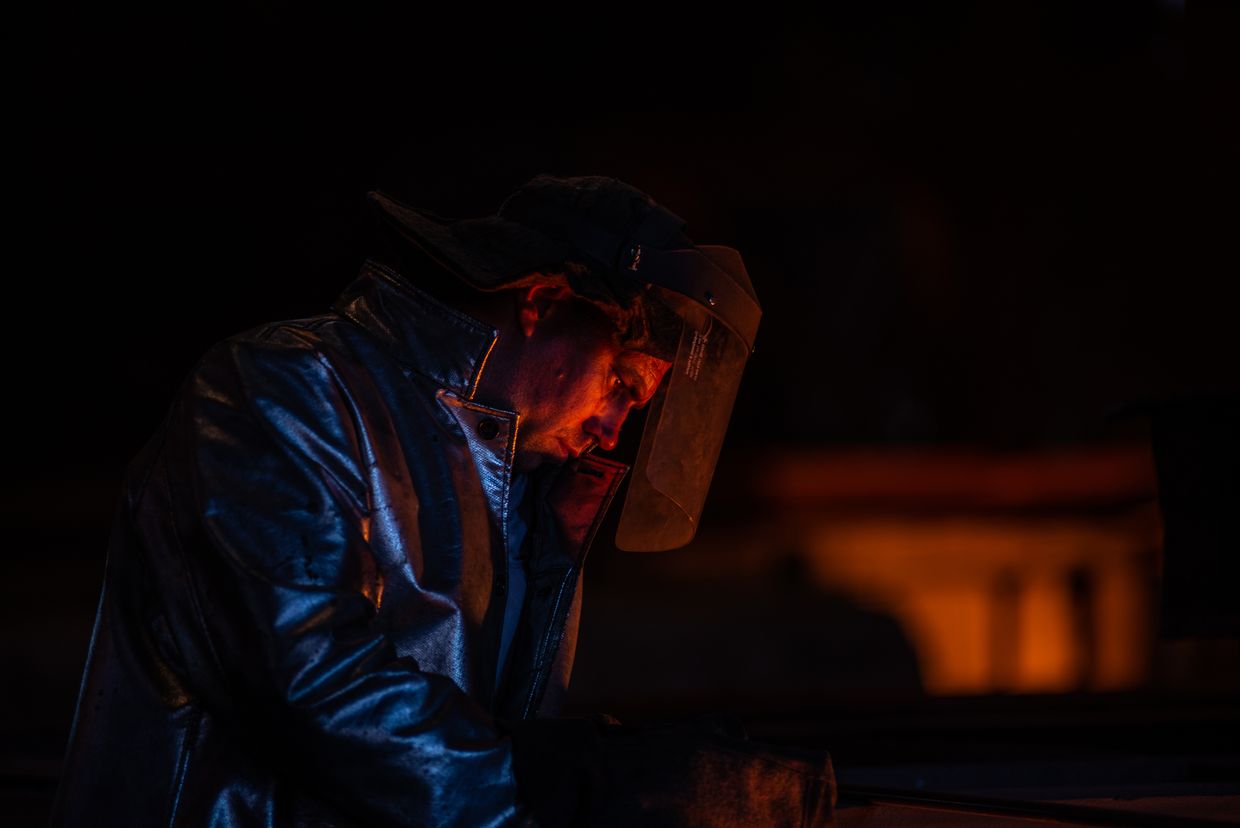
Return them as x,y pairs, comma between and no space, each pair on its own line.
488,428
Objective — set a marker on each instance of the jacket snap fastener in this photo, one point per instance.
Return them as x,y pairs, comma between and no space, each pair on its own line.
488,428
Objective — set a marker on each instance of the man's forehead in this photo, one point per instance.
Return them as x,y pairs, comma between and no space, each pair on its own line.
646,370
642,360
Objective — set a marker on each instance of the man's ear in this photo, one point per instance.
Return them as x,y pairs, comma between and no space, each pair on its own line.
536,302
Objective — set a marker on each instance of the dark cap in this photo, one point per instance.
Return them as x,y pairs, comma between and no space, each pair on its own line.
592,219
595,220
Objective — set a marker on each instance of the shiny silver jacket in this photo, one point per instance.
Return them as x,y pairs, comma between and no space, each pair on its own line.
305,585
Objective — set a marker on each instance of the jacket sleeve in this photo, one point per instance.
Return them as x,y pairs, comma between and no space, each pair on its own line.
289,599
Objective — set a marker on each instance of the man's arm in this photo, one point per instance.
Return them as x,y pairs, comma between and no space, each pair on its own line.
289,593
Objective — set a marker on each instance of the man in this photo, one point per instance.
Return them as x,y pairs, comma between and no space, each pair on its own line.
345,577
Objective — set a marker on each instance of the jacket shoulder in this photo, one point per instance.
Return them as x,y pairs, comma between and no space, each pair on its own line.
266,442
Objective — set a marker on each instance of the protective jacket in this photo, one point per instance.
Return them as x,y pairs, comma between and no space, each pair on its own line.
305,585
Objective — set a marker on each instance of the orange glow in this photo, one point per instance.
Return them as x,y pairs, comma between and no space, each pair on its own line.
989,602
1012,573
957,478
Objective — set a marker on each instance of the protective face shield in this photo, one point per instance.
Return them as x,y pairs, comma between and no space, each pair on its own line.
690,412
709,289
637,247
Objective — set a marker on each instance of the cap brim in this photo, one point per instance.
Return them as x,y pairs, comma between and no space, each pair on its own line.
485,252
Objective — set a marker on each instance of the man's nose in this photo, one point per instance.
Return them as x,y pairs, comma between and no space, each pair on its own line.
604,427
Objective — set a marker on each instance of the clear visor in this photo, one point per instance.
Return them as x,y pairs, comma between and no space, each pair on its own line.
683,435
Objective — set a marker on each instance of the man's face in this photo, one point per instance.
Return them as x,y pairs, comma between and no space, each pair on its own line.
577,388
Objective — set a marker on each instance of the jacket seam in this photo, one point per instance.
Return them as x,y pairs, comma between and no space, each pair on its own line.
538,687
542,663
190,737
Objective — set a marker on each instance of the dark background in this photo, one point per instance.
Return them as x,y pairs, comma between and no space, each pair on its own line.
986,225
965,223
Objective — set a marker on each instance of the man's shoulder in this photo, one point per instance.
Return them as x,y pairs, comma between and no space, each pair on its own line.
329,339
313,367
323,375
307,333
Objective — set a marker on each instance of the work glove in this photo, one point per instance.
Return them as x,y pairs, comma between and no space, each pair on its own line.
703,772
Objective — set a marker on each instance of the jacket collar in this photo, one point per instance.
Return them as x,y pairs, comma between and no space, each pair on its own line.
427,336
451,348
